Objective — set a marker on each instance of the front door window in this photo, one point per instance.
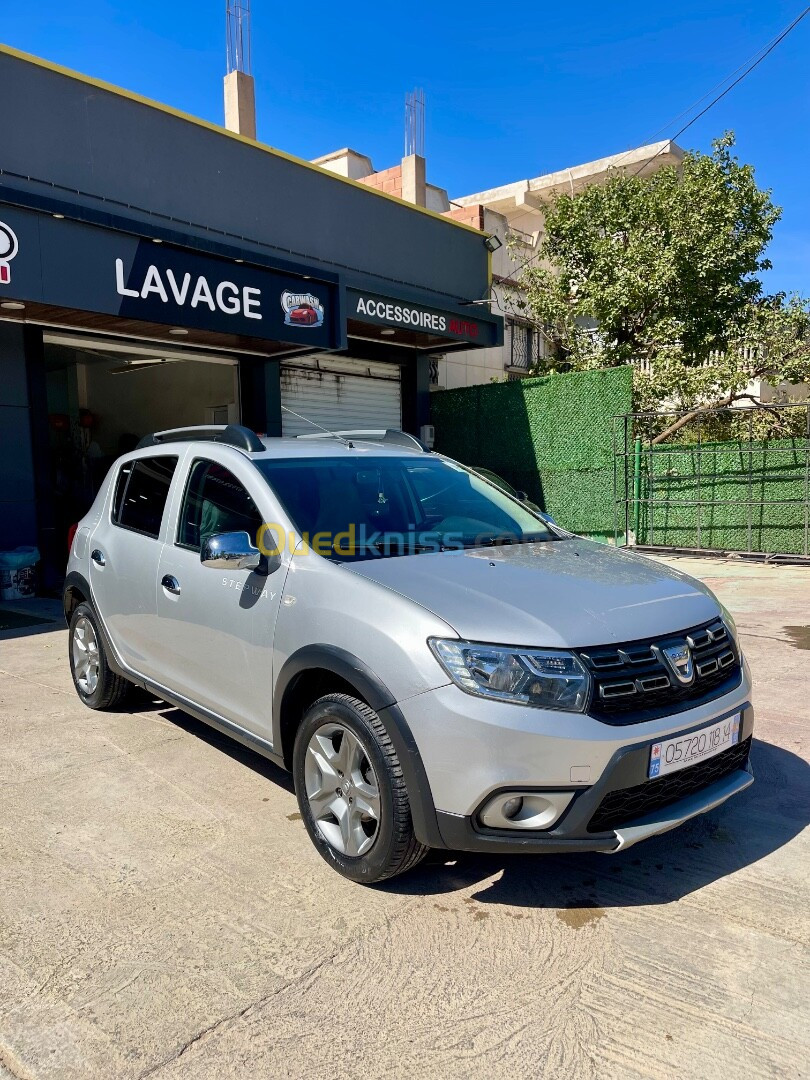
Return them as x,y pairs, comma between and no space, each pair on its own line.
215,502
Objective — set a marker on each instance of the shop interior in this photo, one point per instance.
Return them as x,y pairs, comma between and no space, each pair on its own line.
104,394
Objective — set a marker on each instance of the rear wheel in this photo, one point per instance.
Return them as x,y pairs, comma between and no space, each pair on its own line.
96,684
351,791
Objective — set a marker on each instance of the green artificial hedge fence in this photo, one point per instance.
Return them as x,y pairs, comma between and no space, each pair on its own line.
776,493
550,437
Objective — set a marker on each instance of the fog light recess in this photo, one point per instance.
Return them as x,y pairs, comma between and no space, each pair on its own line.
524,809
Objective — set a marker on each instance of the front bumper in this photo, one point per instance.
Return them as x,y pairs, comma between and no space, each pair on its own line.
473,749
625,780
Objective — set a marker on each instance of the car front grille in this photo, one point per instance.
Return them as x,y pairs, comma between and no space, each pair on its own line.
634,682
621,807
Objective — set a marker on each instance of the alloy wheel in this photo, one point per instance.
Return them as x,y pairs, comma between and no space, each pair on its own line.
342,790
85,655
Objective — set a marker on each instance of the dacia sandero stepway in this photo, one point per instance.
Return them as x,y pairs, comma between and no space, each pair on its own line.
437,665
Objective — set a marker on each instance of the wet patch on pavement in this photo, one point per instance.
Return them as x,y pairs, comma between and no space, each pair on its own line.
798,636
577,917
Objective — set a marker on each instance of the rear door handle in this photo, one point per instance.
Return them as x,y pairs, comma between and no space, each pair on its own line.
171,584
98,557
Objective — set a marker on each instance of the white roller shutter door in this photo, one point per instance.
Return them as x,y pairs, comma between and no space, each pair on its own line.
340,393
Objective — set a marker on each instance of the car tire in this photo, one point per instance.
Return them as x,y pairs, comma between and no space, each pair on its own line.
96,684
343,756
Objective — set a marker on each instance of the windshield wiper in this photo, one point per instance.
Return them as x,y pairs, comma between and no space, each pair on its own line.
493,541
507,539
398,547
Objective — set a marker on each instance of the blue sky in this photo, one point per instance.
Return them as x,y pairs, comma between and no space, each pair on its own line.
548,86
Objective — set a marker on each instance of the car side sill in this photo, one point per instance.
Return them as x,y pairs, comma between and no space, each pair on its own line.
205,716
226,727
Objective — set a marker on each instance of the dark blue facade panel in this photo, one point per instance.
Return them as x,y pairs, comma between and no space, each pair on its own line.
72,265
89,140
17,510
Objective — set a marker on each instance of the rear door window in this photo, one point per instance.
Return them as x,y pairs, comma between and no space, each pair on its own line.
215,502
141,492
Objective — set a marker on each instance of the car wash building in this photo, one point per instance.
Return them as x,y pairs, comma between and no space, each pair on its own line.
158,271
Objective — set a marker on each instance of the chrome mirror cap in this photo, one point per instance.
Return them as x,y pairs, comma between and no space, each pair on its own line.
230,551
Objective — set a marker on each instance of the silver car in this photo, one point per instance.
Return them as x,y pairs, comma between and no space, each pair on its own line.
436,665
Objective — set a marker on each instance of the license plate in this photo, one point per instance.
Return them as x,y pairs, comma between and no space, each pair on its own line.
673,754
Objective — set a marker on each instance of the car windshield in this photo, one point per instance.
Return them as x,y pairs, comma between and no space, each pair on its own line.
362,507
498,481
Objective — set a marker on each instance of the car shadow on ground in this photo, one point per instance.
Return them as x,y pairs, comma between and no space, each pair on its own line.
25,618
660,870
245,756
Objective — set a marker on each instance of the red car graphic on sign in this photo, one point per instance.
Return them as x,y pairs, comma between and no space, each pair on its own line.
304,314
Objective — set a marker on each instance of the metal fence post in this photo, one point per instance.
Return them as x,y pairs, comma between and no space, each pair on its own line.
751,477
651,491
636,485
699,464
624,495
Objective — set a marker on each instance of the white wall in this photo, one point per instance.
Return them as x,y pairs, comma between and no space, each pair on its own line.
473,366
172,395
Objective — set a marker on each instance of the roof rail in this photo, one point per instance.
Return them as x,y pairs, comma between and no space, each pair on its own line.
388,436
233,434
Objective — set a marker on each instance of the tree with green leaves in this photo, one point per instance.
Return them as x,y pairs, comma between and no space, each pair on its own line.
662,271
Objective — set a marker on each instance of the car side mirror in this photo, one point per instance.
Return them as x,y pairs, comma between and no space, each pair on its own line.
231,551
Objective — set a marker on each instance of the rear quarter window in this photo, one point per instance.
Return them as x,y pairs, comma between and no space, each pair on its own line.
141,491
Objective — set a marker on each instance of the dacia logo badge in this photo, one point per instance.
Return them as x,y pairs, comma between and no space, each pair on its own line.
679,660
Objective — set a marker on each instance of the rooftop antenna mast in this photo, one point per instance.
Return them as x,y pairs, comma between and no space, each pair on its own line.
237,18
415,123
240,98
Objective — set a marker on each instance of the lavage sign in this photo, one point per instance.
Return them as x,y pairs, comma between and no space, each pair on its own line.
70,264
166,285
184,288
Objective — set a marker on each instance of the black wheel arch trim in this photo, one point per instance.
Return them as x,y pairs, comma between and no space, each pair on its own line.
350,669
75,580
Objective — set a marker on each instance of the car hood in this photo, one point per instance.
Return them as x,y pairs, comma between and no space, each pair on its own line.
565,593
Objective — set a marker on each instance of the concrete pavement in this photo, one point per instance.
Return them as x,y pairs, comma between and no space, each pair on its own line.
163,914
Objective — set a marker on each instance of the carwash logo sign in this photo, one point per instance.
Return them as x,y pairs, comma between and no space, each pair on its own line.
301,309
9,247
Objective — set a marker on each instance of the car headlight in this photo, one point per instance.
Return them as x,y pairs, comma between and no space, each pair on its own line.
545,678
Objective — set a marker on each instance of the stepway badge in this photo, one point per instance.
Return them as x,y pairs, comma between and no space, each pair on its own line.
301,309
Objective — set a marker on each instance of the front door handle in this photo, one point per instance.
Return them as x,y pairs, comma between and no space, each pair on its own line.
171,584
98,557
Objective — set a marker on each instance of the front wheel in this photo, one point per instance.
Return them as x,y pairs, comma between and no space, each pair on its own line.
351,791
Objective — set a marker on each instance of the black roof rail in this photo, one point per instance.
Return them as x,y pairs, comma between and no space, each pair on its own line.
404,438
233,434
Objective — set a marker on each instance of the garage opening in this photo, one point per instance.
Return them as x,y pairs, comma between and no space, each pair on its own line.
104,395
340,393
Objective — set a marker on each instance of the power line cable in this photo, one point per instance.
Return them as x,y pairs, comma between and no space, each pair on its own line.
751,65
700,100
745,70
